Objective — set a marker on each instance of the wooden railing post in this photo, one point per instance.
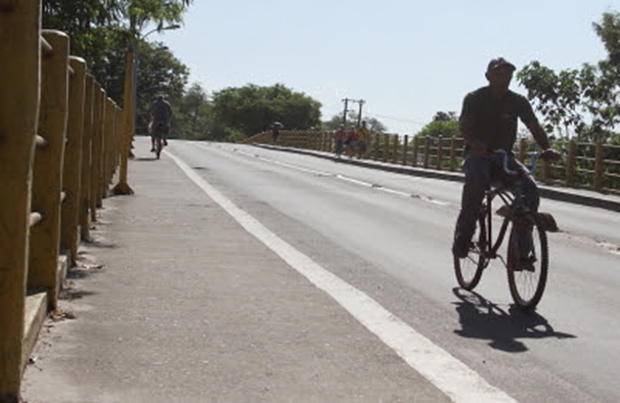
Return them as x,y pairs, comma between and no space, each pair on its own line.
599,168
395,149
122,187
571,163
416,145
439,160
522,150
86,159
19,95
405,144
47,173
386,147
375,147
452,154
73,160
427,150
95,170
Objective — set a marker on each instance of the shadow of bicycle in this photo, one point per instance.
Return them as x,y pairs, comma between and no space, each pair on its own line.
482,319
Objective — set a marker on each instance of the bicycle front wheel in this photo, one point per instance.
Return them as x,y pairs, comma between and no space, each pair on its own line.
527,275
469,269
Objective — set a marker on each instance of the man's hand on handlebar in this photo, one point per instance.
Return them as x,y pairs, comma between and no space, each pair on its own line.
550,155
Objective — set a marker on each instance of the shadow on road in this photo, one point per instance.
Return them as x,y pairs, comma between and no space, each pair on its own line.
482,319
141,159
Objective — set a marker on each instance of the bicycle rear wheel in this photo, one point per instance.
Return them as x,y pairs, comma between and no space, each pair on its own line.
469,269
158,147
527,280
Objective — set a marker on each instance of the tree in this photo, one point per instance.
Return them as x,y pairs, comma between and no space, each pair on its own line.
582,102
100,30
251,109
444,124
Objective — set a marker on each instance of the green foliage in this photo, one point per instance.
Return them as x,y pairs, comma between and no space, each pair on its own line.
101,31
585,101
251,109
444,124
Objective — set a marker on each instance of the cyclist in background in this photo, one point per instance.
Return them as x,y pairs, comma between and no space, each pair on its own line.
488,122
160,114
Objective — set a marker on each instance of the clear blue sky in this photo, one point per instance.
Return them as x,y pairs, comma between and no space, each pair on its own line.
407,59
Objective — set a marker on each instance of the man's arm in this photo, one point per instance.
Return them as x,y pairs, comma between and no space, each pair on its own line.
466,124
539,134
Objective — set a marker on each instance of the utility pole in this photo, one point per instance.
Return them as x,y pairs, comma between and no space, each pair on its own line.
361,103
346,109
346,101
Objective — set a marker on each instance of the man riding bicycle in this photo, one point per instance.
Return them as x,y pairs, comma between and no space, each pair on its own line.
488,122
160,113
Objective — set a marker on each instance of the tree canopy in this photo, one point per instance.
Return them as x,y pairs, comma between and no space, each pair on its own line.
444,124
582,102
252,108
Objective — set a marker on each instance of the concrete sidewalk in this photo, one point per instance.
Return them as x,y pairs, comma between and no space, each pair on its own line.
175,301
571,195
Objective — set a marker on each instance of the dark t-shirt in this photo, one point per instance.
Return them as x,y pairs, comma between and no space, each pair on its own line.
492,121
161,111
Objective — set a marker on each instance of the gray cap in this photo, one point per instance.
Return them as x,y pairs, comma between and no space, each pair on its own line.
500,61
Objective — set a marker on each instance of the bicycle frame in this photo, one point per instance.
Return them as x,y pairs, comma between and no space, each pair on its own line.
514,204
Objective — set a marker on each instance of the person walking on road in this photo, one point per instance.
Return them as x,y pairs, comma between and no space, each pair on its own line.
363,138
340,136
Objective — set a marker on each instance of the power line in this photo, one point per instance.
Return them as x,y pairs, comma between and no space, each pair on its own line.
399,119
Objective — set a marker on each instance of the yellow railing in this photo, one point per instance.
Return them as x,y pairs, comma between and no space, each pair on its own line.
60,145
584,165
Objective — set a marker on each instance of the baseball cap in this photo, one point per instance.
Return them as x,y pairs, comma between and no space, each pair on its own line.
498,62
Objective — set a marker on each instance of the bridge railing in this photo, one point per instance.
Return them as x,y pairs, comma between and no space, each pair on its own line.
60,142
593,166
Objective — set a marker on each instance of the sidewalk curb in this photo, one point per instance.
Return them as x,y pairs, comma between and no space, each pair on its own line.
549,192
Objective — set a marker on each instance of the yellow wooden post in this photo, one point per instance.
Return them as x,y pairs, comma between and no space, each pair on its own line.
122,187
375,147
386,147
19,95
95,169
395,153
522,150
599,168
69,238
117,138
86,158
405,143
452,153
47,173
414,161
427,150
439,160
107,144
571,163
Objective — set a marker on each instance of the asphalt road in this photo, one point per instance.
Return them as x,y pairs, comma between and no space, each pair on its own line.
387,235
391,240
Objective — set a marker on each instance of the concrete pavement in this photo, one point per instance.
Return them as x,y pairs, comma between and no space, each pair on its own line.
175,301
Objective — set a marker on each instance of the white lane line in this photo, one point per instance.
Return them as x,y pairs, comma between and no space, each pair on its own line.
346,179
442,369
